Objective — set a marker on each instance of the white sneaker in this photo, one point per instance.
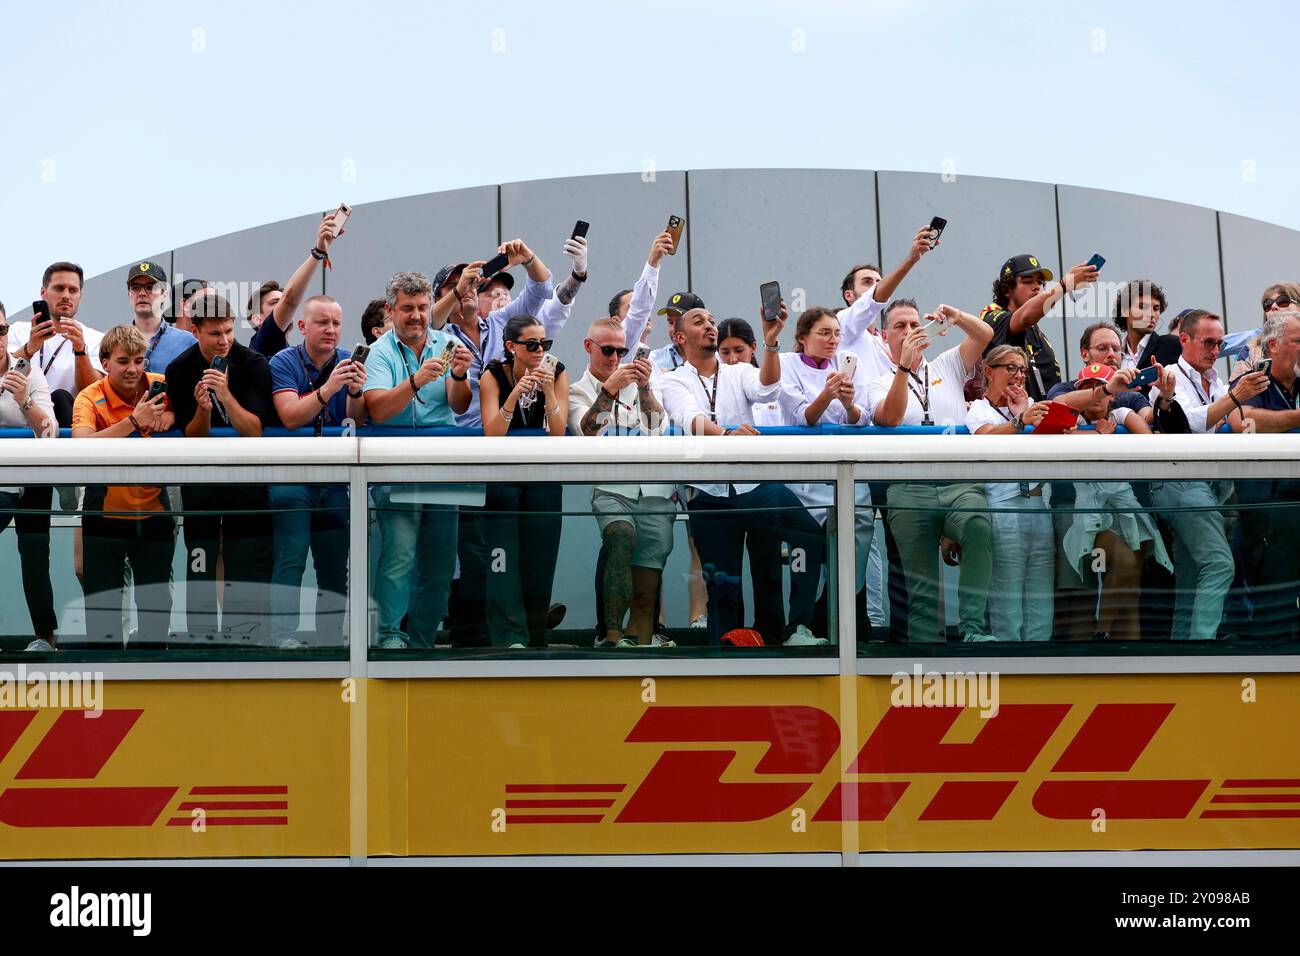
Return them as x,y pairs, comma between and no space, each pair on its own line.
701,621
291,644
520,646
802,637
659,640
975,637
41,644
621,642
393,644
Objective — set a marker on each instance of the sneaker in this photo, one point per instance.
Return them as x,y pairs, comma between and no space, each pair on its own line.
701,621
622,642
555,616
802,637
518,647
975,637
292,644
393,644
660,640
41,644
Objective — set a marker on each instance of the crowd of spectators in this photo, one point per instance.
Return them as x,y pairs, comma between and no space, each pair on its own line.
1079,559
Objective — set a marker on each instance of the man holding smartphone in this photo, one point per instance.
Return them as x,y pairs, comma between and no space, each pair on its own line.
125,524
25,403
219,383
146,288
64,350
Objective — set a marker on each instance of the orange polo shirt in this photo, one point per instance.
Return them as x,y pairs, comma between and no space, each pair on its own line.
98,407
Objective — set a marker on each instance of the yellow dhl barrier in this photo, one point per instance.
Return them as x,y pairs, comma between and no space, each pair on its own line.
676,765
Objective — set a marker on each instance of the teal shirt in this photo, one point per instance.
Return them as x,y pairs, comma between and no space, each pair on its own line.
391,363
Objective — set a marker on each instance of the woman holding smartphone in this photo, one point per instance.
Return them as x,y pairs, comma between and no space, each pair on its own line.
526,389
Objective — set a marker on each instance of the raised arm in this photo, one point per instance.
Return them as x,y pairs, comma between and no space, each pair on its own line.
1032,312
889,284
295,291
644,293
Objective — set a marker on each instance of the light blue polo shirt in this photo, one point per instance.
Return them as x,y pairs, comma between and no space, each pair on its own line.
391,363
165,345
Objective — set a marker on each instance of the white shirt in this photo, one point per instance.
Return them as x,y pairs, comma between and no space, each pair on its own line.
1191,394
943,381
1130,359
12,415
801,384
625,418
734,390
55,358
859,335
982,412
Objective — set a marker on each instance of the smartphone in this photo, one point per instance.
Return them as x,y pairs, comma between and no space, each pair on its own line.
675,226
40,312
848,364
580,229
1145,377
495,265
359,353
1097,261
1264,365
550,361
220,363
22,366
341,216
156,389
937,225
771,294
447,353
642,352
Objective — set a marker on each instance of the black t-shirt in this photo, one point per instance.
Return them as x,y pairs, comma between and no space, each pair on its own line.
534,416
269,339
1275,398
250,384
1044,372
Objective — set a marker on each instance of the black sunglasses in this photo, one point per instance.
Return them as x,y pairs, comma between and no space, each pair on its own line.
534,344
4,330
608,350
1283,300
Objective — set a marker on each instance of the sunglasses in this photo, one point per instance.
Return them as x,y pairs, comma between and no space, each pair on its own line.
1283,301
534,344
1013,369
608,350
1212,344
4,330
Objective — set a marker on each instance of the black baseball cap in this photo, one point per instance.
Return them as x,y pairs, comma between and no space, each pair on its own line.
681,303
505,278
1025,265
147,269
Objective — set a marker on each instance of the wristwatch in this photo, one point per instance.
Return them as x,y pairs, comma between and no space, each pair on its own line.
27,405
1019,422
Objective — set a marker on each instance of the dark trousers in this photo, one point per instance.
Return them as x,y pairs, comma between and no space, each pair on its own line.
468,611
107,545
720,525
239,529
33,551
62,400
522,531
1271,539
769,591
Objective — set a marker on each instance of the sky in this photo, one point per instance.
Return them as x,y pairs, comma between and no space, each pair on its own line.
131,128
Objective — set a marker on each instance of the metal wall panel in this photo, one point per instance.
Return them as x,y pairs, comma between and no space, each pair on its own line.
1255,255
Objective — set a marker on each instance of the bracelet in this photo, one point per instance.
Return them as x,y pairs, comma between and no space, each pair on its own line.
320,398
529,262
580,278
772,348
459,378
414,388
552,411
75,352
352,394
506,416
318,255
134,423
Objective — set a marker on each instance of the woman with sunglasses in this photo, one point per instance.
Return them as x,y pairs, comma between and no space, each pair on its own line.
1024,547
523,391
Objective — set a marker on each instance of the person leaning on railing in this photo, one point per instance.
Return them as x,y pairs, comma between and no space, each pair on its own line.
614,398
25,403
223,519
1115,539
523,391
707,397
1024,547
925,516
135,525
1271,529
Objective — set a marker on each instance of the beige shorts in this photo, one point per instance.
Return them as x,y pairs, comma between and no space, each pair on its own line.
651,517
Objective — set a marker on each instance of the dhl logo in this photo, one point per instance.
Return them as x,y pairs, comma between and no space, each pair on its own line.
77,748
685,786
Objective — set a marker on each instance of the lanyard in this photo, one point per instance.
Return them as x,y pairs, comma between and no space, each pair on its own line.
153,343
315,383
922,396
713,398
1294,401
1192,382
401,350
45,366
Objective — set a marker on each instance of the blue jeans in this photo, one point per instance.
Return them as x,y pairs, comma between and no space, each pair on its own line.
419,538
315,517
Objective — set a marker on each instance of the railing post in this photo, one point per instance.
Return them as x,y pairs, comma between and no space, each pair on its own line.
358,653
846,606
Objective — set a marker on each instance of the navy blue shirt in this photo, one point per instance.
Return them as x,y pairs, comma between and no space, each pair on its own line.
269,339
292,371
1275,398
